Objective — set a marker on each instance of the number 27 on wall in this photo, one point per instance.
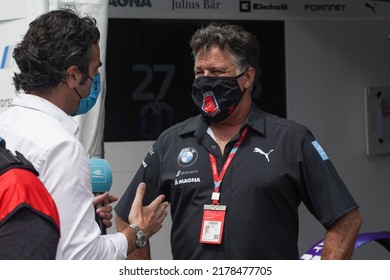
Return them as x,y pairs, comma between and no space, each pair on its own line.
140,93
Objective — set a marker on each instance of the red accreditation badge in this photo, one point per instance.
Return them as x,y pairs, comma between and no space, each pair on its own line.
212,224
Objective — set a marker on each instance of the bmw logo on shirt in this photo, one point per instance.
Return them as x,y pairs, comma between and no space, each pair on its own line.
187,157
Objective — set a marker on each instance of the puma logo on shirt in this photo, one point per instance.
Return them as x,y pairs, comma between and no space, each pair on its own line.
260,151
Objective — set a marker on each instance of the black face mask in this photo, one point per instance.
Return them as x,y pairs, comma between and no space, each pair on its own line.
216,97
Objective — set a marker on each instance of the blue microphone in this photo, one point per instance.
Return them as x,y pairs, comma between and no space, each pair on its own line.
101,175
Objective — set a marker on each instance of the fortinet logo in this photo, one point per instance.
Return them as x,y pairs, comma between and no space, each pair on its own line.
325,7
6,59
248,6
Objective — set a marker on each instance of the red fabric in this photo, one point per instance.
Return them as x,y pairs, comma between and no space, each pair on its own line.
20,186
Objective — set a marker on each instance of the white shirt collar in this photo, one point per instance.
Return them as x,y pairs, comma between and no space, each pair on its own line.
38,103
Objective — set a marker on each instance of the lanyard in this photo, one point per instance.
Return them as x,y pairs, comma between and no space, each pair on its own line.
218,178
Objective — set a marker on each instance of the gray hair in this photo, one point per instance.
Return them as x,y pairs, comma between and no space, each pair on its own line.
243,45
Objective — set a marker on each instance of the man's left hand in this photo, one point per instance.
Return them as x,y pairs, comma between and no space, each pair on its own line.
105,212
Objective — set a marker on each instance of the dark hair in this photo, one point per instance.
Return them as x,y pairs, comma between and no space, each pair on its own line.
244,45
54,41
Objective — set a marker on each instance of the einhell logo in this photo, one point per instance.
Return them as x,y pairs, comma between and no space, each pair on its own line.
245,6
6,59
248,6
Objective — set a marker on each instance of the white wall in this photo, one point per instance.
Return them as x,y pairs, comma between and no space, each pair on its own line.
328,64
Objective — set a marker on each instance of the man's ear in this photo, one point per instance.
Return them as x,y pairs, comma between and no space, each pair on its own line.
250,77
72,76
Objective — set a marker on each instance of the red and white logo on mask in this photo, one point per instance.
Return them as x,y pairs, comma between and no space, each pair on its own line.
210,105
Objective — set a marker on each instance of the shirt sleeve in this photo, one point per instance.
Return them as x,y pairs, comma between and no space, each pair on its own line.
66,173
325,194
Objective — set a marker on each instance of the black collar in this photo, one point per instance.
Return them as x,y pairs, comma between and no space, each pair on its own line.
198,125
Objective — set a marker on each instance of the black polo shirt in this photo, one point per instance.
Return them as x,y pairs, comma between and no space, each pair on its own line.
278,165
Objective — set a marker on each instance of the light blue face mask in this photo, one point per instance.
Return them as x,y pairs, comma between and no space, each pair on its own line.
88,102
